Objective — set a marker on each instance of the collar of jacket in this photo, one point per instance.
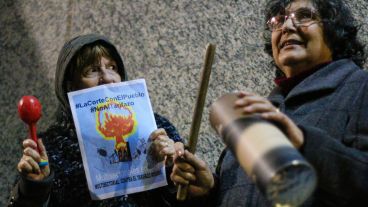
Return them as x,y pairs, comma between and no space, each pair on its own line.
327,78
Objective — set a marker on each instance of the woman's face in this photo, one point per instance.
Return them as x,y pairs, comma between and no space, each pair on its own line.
104,72
299,48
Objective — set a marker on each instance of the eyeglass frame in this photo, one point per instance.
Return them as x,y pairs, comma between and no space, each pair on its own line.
314,18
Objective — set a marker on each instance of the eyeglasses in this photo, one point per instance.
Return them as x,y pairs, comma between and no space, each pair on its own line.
302,17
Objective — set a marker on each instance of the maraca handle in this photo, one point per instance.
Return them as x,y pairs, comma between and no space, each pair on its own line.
33,133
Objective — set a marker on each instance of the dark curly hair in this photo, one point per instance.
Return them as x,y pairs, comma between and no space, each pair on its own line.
339,27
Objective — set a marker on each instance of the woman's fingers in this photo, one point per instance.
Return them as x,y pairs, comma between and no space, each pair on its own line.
168,151
259,108
42,148
164,146
194,162
293,132
30,152
248,100
37,152
44,163
276,116
28,165
185,175
251,103
161,147
178,180
23,167
242,94
179,148
34,162
29,143
160,140
30,160
164,141
155,134
182,172
183,166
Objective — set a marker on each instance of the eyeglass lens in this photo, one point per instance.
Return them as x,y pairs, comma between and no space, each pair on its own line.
300,17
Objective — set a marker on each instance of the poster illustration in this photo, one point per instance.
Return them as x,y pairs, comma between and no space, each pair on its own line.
113,123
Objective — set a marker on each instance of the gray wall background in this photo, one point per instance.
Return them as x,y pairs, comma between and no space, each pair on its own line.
162,41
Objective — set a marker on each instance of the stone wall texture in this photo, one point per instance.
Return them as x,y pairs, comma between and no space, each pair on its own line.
162,41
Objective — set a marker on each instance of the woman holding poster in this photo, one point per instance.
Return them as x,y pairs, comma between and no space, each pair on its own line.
85,62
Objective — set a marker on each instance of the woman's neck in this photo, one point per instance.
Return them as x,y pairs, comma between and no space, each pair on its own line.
288,83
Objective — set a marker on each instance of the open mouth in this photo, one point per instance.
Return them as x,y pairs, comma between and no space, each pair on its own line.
290,42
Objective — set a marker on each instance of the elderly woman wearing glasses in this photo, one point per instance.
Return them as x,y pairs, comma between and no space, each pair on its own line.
320,99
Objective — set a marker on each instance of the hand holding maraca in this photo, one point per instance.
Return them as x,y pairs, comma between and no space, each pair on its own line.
33,163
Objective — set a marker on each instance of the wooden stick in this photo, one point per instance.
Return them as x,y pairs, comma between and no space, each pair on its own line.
198,110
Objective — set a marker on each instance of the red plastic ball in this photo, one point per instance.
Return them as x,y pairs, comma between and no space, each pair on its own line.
29,109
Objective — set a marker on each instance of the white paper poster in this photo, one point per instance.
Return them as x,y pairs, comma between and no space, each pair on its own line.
113,123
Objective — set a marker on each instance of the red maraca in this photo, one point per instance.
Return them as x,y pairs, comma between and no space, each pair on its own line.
29,110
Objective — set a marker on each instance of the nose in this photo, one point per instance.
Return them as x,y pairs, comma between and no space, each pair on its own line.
106,77
288,25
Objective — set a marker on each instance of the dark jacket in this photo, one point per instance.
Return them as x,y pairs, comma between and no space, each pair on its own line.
67,185
331,108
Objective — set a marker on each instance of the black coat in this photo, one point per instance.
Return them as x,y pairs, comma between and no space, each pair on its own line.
331,108
67,184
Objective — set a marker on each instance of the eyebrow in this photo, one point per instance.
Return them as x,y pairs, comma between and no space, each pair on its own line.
111,63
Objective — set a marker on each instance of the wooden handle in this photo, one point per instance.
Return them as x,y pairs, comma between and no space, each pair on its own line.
201,98
198,110
181,195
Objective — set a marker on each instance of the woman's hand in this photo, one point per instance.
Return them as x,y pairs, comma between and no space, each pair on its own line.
190,170
252,103
292,131
162,147
29,163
